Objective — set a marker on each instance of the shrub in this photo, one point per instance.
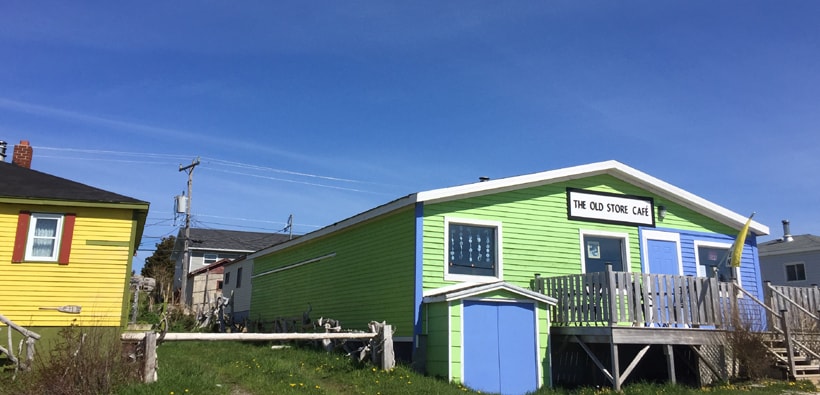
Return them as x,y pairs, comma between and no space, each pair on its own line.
86,360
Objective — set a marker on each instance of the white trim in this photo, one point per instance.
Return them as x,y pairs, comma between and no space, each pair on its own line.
538,365
58,237
611,167
294,265
627,261
476,290
499,261
786,272
715,244
648,234
356,219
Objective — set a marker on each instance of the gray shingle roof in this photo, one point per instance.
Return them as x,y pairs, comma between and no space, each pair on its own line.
21,182
800,243
232,240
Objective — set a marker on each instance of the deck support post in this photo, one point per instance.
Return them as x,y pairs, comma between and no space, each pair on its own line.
670,362
616,369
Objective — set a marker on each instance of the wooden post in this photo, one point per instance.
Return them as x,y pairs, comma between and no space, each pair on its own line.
388,360
789,347
29,352
149,373
612,296
670,362
616,367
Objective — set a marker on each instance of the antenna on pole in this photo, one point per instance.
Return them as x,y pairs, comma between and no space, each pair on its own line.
186,255
290,227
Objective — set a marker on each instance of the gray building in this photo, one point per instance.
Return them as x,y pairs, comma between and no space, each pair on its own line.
791,260
208,246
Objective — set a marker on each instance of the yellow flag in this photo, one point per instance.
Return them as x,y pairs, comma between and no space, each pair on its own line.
737,247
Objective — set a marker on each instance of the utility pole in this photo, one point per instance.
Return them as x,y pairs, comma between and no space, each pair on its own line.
186,255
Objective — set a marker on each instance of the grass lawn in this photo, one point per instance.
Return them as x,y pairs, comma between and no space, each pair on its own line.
238,368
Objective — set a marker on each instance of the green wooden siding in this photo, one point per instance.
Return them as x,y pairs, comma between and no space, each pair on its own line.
456,310
437,330
370,278
537,236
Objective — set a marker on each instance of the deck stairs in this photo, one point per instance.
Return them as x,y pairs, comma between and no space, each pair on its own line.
806,366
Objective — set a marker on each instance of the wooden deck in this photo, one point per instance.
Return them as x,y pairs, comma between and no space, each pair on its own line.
615,319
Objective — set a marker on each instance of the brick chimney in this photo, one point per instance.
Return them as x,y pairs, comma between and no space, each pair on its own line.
22,154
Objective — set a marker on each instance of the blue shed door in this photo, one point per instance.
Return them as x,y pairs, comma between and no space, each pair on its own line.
500,354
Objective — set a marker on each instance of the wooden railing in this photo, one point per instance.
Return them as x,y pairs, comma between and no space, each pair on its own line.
801,303
29,338
616,298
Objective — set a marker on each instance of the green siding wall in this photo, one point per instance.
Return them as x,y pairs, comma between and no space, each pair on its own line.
437,330
369,279
537,236
456,310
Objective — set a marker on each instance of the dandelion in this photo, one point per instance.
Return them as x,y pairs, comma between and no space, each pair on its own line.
317,387
292,384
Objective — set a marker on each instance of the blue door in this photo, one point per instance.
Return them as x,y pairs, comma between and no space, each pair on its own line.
500,354
663,256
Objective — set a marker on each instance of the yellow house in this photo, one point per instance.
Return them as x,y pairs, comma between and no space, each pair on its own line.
66,248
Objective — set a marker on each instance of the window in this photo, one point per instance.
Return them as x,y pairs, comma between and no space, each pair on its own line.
227,278
600,249
219,285
43,237
713,261
239,277
209,258
473,250
795,272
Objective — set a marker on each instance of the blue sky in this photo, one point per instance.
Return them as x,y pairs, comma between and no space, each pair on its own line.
325,110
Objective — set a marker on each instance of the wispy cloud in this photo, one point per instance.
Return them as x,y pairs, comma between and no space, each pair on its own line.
125,126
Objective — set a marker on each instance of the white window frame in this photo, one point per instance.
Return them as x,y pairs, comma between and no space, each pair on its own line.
786,272
608,234
55,255
499,273
714,244
205,258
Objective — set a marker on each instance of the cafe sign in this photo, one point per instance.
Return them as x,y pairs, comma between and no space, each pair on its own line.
587,205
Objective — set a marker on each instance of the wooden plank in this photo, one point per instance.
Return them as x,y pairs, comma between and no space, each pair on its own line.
646,296
634,363
596,361
250,336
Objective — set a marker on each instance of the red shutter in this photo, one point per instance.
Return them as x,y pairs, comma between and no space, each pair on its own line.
65,240
21,237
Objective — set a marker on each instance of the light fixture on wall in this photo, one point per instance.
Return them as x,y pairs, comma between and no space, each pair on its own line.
661,212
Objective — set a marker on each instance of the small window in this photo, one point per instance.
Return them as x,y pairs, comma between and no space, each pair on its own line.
209,258
44,237
473,250
601,251
228,278
713,261
795,272
239,277
218,285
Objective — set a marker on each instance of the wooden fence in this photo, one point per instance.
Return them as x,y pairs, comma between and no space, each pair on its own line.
29,338
379,343
800,306
610,298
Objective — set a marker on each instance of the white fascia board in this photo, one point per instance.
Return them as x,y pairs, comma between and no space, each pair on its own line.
611,167
356,219
686,199
477,290
219,250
